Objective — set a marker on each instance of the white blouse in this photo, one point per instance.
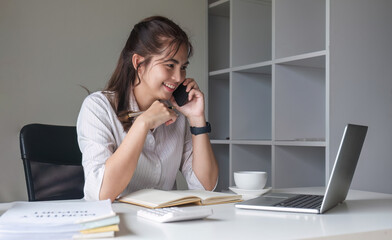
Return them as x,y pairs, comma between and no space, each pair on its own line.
167,149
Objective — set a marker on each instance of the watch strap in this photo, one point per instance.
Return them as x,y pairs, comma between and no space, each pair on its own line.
201,130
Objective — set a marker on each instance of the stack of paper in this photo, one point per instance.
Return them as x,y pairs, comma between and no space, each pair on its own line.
59,220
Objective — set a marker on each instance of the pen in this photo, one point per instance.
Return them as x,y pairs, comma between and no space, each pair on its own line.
135,114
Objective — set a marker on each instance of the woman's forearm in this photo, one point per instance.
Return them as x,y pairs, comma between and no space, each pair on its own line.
204,163
119,168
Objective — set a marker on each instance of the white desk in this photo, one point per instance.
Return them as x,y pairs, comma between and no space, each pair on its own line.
364,215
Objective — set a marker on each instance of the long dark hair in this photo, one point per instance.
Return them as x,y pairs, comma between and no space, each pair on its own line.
151,36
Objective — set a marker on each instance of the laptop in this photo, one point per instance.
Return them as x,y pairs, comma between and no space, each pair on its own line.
338,185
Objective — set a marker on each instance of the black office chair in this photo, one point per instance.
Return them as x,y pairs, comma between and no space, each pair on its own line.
52,162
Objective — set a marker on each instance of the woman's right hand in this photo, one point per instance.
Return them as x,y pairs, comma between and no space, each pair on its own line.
157,114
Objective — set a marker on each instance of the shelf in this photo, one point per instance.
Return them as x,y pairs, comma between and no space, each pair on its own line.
261,67
214,141
300,27
299,143
252,142
243,142
315,60
219,72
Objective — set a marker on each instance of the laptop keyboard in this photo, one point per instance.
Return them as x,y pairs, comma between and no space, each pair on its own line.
302,201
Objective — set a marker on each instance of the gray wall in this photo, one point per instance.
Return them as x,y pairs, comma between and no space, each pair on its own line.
50,47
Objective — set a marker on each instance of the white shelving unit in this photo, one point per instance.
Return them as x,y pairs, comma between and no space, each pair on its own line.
267,89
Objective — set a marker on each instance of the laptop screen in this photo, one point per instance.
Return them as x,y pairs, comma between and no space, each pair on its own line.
345,164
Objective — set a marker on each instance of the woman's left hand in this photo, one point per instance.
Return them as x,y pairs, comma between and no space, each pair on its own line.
194,108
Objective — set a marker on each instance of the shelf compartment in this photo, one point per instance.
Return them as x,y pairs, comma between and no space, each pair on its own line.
251,32
299,166
251,104
219,106
221,152
251,158
219,35
300,104
300,27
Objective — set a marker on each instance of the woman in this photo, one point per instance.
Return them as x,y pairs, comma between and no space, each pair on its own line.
122,154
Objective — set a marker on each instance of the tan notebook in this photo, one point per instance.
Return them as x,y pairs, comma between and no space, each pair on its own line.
153,198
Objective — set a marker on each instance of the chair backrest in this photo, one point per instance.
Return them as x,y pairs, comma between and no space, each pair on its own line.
52,162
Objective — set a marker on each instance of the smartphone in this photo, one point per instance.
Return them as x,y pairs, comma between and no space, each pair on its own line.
181,95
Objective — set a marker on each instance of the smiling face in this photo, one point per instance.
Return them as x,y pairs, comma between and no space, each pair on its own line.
161,77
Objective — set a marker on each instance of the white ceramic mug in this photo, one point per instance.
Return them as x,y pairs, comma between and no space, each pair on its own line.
250,180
